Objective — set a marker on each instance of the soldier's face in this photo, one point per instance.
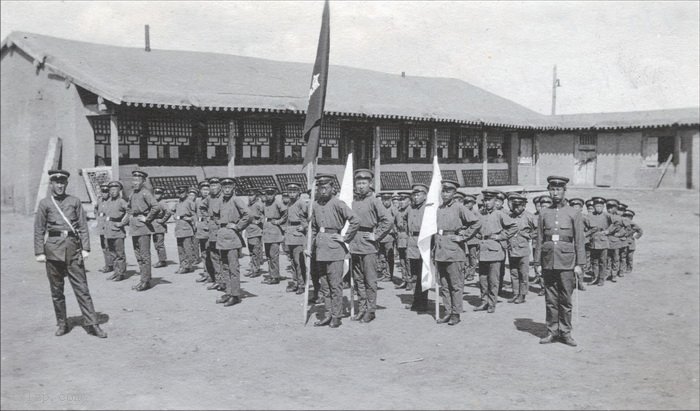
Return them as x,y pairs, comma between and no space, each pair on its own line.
489,203
469,204
395,203
612,209
293,195
204,191
114,192
419,197
387,203
59,186
518,208
598,208
137,182
447,194
405,202
215,189
105,195
498,203
191,196
181,195
362,186
578,207
557,193
227,189
324,191
590,209
269,198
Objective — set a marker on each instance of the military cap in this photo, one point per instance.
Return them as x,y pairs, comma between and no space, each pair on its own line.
611,202
293,187
450,184
500,194
214,180
589,202
285,194
224,181
396,196
459,195
324,179
203,183
269,190
489,193
557,181
598,200
628,213
470,198
58,174
622,206
419,187
104,187
517,197
404,194
193,190
363,174
115,184
139,173
546,199
577,200
157,190
385,195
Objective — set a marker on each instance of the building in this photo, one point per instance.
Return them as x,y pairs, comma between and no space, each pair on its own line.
177,113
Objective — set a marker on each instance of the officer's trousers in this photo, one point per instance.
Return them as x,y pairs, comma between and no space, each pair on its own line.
202,252
185,252
519,272
403,265
109,261
385,259
599,264
255,249
613,265
115,248
212,263
587,269
489,272
630,260
296,254
364,272
559,286
420,297
231,271
330,278
501,276
75,271
451,285
142,251
194,252
159,245
472,259
272,252
623,260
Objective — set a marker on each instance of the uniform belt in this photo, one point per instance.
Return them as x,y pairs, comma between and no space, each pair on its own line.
366,229
64,233
447,232
202,219
223,225
328,230
114,219
295,223
415,233
564,238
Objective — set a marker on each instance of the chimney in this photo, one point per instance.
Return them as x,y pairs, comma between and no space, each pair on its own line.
148,38
403,74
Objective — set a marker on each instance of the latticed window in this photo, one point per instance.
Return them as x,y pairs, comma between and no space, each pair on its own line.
101,131
166,137
257,135
389,139
294,144
525,151
330,140
469,145
129,137
218,132
418,140
443,142
494,148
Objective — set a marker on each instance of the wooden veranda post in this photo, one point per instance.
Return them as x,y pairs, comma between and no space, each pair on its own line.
114,146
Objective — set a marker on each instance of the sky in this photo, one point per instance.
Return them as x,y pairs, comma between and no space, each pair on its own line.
610,56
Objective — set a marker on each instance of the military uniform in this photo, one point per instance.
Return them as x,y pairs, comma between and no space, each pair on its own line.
617,237
624,240
496,229
402,240
213,261
385,257
414,219
375,223
233,220
472,264
519,249
635,232
160,229
545,201
328,218
116,216
62,252
596,228
100,229
185,214
201,233
275,216
295,239
254,232
588,269
142,204
455,225
500,202
560,248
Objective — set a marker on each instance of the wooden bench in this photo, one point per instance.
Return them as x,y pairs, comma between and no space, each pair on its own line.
171,183
395,180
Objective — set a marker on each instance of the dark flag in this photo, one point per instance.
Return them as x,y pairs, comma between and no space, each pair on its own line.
317,91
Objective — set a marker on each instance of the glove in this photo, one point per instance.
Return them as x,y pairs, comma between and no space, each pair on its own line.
41,258
577,270
85,254
538,269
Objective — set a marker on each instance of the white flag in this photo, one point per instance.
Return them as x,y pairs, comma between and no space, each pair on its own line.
428,227
346,196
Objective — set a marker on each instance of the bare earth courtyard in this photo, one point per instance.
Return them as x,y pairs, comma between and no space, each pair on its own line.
173,347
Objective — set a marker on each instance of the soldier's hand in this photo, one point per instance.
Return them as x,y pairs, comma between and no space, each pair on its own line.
231,226
538,269
41,258
187,218
456,238
85,254
577,270
337,237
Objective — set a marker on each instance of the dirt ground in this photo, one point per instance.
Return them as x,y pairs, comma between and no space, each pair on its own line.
173,347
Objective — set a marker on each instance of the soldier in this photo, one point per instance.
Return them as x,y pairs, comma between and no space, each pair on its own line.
213,259
498,205
590,209
624,240
232,220
617,234
519,247
295,237
635,232
254,231
597,224
329,251
472,263
496,229
185,214
402,239
143,209
414,218
116,217
545,202
385,258
286,199
375,224
273,235
559,255
100,228
64,251
160,228
455,226
577,204
201,233
589,206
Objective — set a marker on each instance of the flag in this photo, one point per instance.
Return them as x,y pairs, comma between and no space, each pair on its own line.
428,227
317,91
346,196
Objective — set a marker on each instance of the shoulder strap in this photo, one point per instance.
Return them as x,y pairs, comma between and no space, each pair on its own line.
63,215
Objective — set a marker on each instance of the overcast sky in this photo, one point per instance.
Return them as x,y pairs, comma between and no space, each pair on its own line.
611,56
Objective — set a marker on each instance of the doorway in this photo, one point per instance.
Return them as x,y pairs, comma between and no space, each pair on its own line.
585,155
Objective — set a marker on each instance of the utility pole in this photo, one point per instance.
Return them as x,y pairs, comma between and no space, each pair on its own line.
555,84
148,38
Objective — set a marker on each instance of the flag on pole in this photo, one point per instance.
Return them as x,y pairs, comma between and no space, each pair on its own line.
317,90
428,227
346,196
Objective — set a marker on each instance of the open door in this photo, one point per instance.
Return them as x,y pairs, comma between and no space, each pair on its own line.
361,144
585,163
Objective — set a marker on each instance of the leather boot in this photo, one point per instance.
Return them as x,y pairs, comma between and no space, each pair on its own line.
358,316
323,322
223,299
402,284
568,340
454,319
514,299
96,331
291,287
482,307
550,338
520,300
335,323
61,330
160,264
444,320
106,270
368,317
233,300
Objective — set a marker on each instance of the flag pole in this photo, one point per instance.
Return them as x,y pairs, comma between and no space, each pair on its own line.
437,298
310,174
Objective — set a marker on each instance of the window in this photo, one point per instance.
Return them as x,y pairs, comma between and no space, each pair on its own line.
129,140
294,144
525,151
651,151
494,148
469,145
101,131
443,142
168,139
418,142
257,135
330,140
389,141
218,132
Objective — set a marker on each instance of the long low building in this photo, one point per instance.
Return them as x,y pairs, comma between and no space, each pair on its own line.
180,113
